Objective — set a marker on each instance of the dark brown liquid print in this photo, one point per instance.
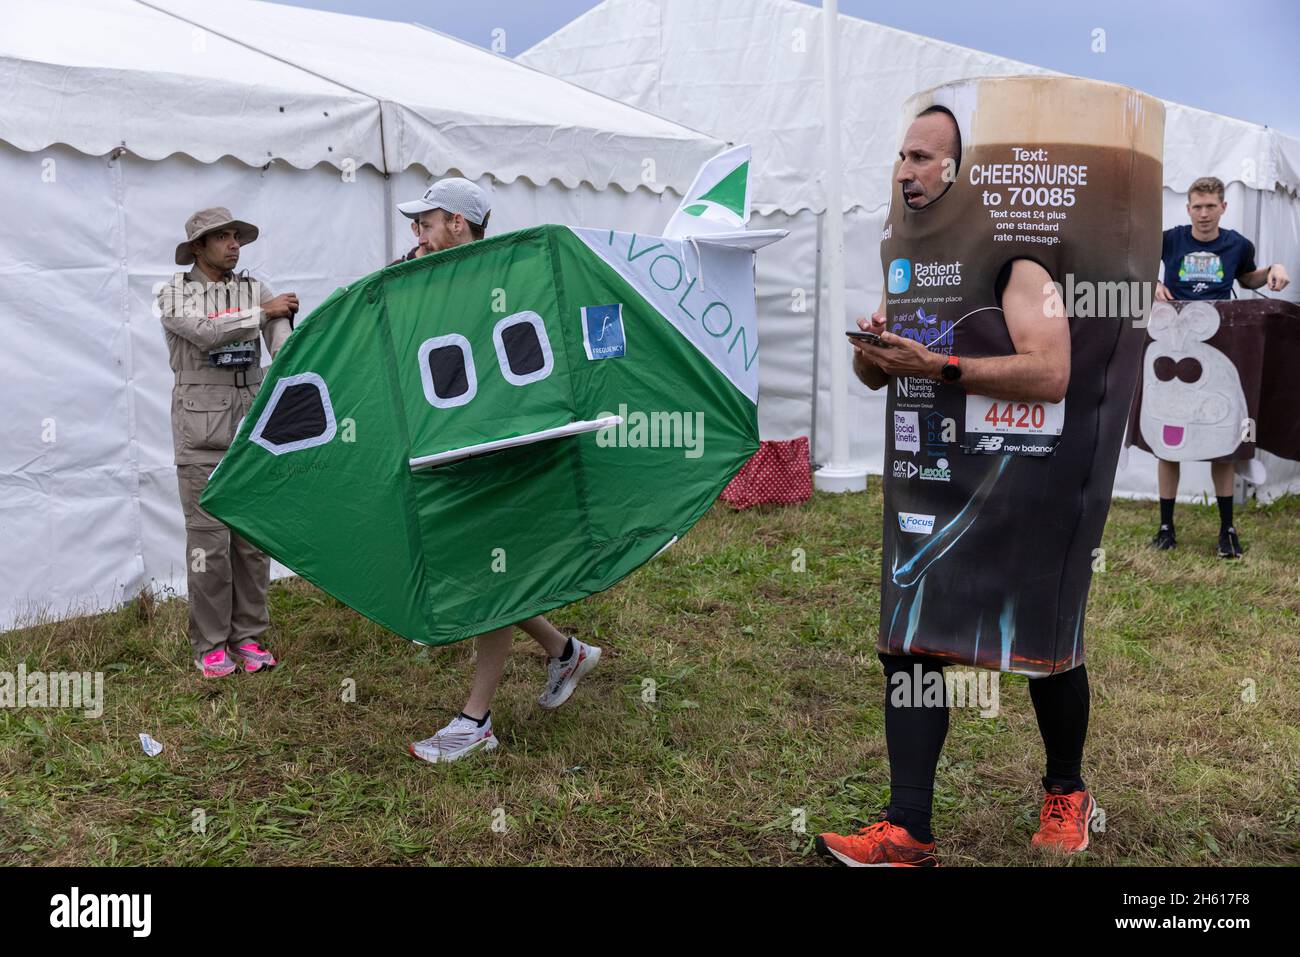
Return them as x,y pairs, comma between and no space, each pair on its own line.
991,518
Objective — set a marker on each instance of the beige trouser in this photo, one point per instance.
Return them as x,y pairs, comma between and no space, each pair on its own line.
227,576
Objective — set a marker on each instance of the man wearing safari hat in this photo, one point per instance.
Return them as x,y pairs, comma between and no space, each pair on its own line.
451,213
212,319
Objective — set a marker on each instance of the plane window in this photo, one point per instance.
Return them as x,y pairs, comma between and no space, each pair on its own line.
447,371
523,350
298,415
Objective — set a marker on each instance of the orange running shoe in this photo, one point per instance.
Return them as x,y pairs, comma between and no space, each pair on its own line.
880,845
1064,822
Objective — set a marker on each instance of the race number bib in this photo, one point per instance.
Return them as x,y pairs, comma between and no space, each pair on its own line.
998,426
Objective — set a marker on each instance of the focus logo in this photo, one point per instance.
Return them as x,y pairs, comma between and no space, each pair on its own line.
916,524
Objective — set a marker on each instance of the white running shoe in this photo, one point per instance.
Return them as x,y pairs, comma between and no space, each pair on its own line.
563,676
456,740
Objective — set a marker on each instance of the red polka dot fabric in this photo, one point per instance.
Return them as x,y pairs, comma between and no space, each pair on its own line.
778,473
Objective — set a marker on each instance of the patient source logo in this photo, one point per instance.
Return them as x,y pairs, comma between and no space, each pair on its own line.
900,275
937,274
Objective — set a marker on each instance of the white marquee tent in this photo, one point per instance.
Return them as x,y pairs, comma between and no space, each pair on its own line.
750,71
118,118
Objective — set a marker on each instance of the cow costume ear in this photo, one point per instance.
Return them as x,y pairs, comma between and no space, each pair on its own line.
1163,317
1201,319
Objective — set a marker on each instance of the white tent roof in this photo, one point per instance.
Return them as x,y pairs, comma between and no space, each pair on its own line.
262,81
751,69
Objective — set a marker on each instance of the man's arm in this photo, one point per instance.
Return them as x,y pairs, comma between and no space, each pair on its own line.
1162,291
1252,278
1275,275
182,315
277,317
868,373
1038,371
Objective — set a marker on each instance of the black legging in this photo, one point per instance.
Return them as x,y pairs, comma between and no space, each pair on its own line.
915,737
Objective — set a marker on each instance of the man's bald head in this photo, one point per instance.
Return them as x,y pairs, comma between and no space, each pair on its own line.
931,148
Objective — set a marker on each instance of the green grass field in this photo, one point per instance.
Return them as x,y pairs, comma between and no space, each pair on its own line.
767,700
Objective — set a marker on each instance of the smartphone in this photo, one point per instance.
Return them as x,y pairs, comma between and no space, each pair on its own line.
870,337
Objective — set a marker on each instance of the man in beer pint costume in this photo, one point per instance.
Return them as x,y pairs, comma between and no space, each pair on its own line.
1007,402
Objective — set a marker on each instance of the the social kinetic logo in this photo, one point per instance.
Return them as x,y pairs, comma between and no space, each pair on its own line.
907,433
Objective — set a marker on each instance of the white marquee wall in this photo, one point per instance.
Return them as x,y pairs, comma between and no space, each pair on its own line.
89,509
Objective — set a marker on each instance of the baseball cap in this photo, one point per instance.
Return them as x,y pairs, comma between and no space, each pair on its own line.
455,195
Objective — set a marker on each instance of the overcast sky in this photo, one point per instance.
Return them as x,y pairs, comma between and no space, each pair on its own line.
1242,58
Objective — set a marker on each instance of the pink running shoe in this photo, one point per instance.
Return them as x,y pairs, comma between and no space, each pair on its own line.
254,656
215,664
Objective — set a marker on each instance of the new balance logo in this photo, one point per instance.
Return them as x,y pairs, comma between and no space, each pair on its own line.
989,443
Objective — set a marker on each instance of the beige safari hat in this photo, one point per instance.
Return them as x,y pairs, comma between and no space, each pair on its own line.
207,221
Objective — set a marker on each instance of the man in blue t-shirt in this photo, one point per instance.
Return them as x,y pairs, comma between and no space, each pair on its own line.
1201,261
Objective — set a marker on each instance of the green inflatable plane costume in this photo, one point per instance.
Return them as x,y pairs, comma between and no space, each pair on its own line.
468,439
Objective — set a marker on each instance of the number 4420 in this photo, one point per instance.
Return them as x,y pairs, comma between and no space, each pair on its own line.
1016,415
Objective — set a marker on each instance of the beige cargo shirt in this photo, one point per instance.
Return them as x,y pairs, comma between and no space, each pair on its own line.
213,331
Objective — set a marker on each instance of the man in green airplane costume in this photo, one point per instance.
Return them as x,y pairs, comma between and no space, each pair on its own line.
469,439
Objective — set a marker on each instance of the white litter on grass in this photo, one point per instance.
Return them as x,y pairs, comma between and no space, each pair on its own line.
151,747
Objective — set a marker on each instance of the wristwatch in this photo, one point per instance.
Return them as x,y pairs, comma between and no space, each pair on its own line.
951,372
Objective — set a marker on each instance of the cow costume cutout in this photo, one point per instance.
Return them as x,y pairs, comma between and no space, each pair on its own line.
1194,407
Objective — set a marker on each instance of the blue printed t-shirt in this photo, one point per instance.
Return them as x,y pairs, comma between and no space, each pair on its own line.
1197,270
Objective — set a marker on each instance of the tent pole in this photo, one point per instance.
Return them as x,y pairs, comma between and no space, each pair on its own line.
838,475
817,338
388,219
